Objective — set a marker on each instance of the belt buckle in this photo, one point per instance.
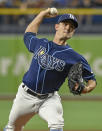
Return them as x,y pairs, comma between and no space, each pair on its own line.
42,96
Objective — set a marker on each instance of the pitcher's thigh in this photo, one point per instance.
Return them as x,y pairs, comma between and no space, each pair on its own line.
52,112
19,123
21,111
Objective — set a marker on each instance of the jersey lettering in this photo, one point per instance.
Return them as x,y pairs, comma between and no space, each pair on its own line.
48,62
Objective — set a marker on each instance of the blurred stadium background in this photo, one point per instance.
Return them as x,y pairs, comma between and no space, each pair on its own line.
80,113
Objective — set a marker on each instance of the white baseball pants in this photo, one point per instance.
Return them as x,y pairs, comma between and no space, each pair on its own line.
25,106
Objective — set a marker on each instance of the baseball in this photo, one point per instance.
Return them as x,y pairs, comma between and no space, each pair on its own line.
53,11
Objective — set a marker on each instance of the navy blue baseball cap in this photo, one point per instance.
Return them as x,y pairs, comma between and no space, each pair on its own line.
68,17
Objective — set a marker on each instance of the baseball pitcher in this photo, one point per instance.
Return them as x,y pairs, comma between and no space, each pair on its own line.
52,63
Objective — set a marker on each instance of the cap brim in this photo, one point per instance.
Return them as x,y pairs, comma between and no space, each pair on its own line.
75,22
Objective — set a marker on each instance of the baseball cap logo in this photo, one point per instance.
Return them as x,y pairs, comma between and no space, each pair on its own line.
68,17
71,16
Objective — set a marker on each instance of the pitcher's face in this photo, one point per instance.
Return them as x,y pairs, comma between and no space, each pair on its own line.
65,29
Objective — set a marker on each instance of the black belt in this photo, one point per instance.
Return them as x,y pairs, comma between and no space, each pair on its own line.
44,96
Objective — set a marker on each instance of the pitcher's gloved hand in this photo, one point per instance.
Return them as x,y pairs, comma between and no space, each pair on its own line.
75,79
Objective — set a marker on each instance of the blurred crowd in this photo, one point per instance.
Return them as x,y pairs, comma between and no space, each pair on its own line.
22,20
49,3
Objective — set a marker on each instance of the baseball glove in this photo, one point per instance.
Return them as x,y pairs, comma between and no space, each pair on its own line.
75,76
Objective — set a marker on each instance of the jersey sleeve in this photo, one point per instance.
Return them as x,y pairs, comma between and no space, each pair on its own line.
32,42
87,71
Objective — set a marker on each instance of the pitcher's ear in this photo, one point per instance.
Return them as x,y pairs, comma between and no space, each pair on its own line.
56,26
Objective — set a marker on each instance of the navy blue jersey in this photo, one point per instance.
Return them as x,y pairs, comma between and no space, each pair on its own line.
50,64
